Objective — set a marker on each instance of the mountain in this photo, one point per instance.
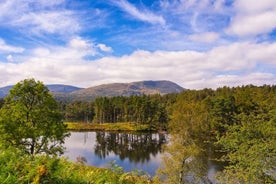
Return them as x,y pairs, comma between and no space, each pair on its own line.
54,88
124,89
60,88
71,93
4,91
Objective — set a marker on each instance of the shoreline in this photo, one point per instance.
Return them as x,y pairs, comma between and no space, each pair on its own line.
118,127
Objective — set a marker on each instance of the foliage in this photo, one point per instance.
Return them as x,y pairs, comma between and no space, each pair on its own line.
251,149
241,121
30,120
188,127
150,110
17,167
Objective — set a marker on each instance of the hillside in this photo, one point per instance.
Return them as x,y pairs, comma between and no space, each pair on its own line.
71,93
54,88
60,88
123,89
4,91
134,88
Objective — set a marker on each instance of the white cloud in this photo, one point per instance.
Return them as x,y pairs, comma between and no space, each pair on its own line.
39,17
208,37
5,48
143,15
49,22
104,48
231,65
252,7
86,47
251,25
80,43
10,58
253,18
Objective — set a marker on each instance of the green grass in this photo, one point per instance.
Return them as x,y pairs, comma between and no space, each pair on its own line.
108,127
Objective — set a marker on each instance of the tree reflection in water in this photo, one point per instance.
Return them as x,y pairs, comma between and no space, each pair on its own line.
135,147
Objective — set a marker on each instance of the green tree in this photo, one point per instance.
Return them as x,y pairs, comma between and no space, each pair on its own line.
30,120
189,129
251,150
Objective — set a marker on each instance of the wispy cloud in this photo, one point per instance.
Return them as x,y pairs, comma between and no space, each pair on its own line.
208,37
38,17
143,15
104,48
5,48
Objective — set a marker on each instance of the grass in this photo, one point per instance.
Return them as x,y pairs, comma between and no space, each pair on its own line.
128,127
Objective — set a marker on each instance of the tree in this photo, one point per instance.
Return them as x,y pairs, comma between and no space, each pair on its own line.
188,129
251,150
30,120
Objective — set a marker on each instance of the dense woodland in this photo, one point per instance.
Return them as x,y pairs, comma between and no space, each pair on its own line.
153,110
238,121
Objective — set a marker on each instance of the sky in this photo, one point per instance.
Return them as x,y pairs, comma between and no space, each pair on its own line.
194,43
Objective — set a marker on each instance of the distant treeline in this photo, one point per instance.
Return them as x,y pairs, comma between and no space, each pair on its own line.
144,109
223,105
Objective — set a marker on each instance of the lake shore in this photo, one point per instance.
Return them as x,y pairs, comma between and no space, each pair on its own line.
126,127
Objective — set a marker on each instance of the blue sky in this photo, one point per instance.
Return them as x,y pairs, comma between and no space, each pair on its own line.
195,43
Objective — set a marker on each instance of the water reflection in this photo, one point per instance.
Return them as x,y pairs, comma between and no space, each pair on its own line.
131,151
134,151
136,147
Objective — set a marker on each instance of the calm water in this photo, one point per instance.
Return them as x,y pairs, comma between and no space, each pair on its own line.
130,151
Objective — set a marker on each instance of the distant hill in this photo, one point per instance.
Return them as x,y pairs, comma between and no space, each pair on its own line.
60,88
54,88
4,91
123,89
71,93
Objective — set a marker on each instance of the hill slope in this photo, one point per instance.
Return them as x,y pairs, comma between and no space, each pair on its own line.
71,93
54,88
123,89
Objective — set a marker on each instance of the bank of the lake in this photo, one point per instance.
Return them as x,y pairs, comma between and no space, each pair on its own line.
126,127
16,167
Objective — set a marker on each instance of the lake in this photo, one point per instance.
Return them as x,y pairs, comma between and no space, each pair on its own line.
142,151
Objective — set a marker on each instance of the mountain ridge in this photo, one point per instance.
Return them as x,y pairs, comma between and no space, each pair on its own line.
70,93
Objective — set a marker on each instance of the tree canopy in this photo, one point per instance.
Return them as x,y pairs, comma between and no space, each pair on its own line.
240,122
30,120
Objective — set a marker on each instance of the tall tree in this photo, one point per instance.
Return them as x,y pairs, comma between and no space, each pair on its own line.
30,120
189,129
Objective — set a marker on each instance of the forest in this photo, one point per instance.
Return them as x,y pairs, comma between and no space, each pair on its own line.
153,110
239,122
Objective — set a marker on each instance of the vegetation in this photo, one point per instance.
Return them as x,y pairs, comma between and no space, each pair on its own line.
17,167
109,127
239,121
30,120
143,110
